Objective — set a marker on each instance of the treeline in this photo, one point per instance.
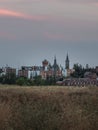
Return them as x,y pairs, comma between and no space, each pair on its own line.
37,80
80,70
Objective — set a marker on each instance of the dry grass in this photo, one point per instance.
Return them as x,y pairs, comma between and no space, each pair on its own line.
48,108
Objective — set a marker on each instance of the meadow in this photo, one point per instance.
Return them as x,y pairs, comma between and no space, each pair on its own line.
48,108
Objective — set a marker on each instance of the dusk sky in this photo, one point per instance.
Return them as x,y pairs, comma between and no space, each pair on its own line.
34,30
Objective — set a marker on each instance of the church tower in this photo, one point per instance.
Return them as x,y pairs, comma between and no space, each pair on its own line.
67,62
55,66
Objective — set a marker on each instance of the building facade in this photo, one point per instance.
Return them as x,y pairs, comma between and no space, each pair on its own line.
49,70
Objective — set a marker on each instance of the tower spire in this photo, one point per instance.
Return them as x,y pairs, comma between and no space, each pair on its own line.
55,66
67,62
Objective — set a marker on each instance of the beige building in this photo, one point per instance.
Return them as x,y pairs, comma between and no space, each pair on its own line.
49,70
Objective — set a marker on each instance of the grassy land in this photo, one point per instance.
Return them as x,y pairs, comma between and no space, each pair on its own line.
48,108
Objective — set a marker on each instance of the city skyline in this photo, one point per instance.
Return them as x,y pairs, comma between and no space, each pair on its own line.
34,30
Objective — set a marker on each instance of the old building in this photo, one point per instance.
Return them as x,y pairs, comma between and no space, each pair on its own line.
49,70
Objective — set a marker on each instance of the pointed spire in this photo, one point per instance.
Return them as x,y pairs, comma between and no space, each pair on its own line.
54,57
67,57
55,66
55,61
67,62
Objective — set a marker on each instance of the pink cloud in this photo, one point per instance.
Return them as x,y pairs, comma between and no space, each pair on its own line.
10,13
54,36
4,12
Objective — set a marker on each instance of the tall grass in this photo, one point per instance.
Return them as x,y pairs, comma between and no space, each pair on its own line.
48,108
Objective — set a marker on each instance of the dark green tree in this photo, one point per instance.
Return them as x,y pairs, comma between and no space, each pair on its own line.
79,71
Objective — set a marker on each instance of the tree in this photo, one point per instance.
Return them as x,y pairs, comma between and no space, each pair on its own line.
79,71
22,81
8,79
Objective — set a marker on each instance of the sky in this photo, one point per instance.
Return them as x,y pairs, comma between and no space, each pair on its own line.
34,30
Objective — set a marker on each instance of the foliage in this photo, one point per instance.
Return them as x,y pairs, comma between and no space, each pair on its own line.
8,79
22,81
37,80
80,70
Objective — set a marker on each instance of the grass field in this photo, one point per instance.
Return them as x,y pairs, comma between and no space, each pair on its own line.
48,108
